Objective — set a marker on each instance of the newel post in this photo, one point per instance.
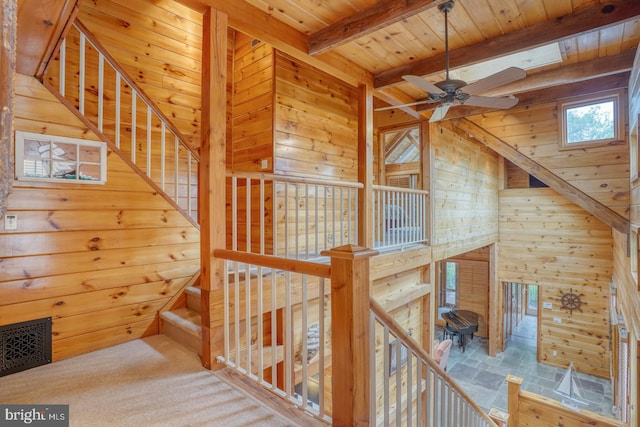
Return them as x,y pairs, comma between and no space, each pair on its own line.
513,403
350,335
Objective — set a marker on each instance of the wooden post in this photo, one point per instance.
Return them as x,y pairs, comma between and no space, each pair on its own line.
513,404
350,335
365,164
212,182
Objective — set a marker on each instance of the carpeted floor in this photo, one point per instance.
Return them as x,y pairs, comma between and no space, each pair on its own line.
149,382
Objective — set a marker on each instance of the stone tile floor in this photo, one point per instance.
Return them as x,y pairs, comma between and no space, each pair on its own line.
483,377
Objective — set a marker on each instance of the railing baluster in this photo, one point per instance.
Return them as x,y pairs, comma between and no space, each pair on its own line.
63,68
260,326
100,92
81,81
261,215
117,107
148,159
163,137
247,216
134,125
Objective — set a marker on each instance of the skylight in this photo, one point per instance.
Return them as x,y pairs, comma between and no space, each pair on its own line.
528,59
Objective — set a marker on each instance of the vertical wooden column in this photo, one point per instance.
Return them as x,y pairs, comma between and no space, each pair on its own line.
8,20
365,164
513,402
212,182
496,307
350,335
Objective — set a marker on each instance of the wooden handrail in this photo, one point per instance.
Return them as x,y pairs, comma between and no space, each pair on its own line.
399,189
284,264
294,179
416,348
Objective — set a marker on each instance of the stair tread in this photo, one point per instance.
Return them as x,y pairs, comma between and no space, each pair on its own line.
186,318
193,290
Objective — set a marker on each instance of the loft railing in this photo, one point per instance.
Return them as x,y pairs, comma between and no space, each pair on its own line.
398,217
410,388
295,326
92,83
290,217
277,326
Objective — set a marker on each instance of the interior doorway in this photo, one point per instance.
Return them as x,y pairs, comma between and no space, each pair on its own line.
520,313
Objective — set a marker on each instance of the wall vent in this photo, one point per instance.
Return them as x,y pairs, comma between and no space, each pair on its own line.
255,42
25,345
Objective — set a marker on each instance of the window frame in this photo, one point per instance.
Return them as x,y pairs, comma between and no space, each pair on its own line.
21,136
618,99
443,285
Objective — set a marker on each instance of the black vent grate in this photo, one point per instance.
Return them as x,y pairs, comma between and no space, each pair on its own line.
25,345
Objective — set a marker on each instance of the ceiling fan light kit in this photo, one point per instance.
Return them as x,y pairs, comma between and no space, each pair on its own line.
450,92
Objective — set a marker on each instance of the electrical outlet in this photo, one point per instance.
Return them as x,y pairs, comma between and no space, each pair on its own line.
557,320
264,164
10,222
554,352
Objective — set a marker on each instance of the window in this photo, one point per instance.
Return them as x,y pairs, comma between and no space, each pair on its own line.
591,121
449,285
56,159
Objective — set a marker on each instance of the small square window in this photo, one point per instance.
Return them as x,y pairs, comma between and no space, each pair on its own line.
591,121
58,159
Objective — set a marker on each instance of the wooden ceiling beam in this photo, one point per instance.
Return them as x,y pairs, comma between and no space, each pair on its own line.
558,80
366,21
606,215
581,22
587,87
255,23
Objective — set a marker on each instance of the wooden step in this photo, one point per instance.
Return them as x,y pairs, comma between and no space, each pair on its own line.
184,326
193,298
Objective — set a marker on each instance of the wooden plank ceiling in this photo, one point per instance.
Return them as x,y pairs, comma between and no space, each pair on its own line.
390,38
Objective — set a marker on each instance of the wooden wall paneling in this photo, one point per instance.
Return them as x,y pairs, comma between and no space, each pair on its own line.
252,109
316,122
170,35
465,193
601,172
90,250
560,247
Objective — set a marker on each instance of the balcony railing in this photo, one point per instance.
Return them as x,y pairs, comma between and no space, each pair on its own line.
398,217
290,217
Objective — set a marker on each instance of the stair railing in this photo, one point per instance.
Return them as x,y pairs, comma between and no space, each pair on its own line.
410,387
101,93
276,323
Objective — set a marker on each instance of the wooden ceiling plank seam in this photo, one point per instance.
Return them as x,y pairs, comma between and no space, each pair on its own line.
602,212
584,21
366,21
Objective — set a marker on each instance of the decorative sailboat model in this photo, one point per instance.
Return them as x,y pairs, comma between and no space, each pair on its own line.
571,391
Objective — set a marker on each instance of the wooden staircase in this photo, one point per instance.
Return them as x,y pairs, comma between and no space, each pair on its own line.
183,323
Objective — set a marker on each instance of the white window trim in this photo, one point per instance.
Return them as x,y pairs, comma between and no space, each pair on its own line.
19,169
618,108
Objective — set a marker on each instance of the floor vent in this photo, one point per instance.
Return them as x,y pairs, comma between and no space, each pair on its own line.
25,345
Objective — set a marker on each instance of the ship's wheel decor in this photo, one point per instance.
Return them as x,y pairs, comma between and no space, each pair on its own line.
571,301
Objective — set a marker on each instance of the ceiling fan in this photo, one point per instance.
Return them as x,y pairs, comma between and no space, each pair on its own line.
450,91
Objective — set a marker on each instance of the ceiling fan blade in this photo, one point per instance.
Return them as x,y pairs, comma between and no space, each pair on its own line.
423,84
439,112
410,104
500,78
491,102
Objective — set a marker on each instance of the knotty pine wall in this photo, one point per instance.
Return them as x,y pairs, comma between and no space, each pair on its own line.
464,193
101,260
160,45
601,172
548,241
316,132
252,111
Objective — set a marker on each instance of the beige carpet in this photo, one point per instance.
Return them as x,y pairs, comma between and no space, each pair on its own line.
149,382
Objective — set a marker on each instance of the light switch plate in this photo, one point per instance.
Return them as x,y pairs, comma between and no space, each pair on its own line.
546,305
10,222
